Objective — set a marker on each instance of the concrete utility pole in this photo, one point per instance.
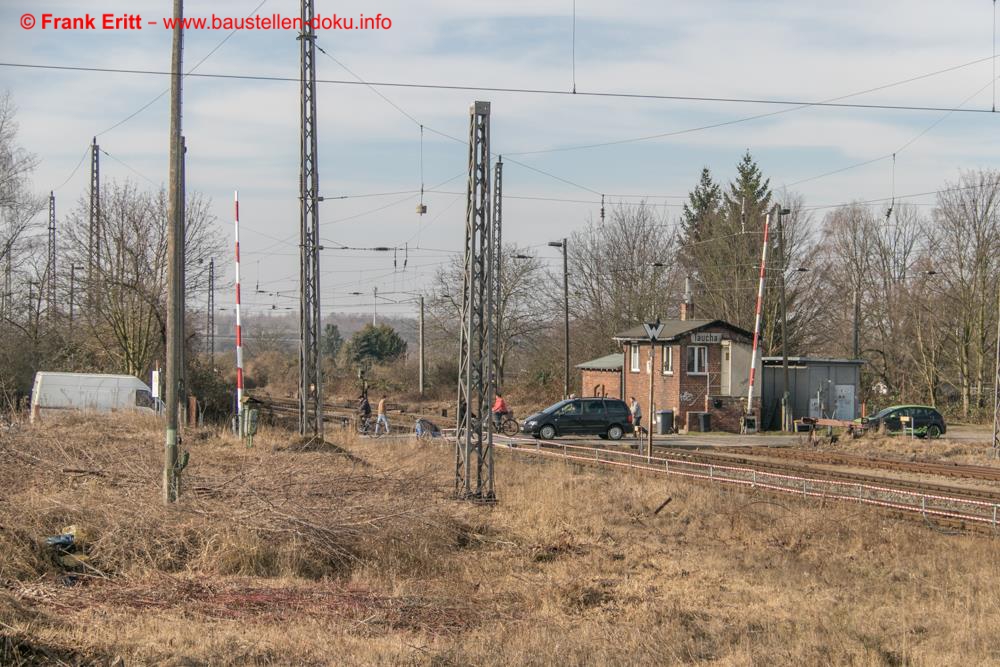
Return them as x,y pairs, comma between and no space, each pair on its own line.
786,413
172,464
310,367
420,375
856,347
476,361
94,230
50,271
72,288
564,245
374,304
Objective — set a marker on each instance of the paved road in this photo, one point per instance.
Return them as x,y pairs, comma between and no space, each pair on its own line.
961,434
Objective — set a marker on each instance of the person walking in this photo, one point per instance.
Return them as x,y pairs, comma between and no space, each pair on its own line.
636,416
381,420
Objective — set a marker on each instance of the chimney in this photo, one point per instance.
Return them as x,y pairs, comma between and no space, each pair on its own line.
687,307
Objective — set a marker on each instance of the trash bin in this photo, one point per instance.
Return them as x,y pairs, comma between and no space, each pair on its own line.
665,422
704,422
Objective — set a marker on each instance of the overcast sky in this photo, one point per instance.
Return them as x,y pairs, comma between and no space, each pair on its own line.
245,134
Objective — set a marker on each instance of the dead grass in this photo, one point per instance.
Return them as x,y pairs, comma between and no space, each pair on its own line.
906,448
277,556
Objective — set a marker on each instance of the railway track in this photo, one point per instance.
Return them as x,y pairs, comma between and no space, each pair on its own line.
942,505
835,458
740,458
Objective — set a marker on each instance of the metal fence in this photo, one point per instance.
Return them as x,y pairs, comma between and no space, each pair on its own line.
929,505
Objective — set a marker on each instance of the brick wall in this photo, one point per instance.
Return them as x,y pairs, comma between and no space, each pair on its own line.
681,392
601,383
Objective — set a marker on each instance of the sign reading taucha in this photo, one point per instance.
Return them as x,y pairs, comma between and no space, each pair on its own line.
706,338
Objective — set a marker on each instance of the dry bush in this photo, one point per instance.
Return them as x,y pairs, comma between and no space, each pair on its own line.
273,510
288,554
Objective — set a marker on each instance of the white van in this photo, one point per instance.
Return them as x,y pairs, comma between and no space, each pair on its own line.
54,392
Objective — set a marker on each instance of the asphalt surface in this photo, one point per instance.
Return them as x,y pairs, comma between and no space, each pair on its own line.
957,434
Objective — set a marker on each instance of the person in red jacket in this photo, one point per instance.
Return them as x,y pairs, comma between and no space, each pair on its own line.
499,410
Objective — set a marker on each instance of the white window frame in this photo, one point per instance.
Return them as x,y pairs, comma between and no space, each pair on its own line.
634,358
667,360
704,355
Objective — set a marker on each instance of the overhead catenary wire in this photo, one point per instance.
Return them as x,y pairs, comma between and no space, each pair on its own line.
496,89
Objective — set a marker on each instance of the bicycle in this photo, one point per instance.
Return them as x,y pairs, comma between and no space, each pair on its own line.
366,426
508,425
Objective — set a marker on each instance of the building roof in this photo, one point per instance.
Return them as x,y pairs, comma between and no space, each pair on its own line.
807,361
674,329
610,362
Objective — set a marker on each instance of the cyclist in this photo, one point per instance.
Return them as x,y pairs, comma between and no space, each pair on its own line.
365,411
500,410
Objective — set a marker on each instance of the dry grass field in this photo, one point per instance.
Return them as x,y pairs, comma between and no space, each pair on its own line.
355,554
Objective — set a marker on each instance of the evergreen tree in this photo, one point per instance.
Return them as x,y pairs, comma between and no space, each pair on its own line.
375,344
701,208
332,340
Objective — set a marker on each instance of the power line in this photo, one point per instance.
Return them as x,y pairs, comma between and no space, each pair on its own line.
498,89
735,121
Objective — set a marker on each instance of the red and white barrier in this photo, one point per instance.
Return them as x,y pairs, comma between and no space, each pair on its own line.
239,327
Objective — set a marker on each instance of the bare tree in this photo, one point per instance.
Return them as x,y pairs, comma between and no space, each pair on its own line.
522,282
621,272
125,305
967,225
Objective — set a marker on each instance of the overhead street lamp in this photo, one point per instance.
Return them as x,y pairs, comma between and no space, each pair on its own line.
564,245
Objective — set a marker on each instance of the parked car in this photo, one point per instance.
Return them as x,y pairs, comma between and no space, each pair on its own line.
923,419
604,417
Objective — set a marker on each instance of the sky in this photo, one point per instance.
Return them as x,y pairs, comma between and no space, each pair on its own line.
244,134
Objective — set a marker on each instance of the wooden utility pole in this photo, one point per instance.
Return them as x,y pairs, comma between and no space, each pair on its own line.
786,412
175,270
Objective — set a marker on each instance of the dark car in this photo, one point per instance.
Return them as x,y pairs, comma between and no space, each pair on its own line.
923,419
604,417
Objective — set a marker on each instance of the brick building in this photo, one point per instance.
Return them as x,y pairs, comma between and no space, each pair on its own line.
602,376
698,366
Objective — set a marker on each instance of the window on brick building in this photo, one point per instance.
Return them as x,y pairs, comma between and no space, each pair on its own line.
635,359
697,360
668,360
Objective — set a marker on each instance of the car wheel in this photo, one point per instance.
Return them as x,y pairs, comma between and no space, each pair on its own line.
547,432
615,432
933,431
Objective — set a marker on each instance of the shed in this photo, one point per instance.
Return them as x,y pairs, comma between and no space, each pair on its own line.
602,376
818,387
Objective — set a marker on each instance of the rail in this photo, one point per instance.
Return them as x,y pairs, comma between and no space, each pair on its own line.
929,505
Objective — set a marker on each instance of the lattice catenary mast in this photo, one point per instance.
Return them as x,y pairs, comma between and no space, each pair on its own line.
476,362
94,228
50,269
310,374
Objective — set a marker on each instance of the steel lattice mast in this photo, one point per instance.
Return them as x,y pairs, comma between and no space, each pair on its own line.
50,269
94,229
498,263
474,441
310,373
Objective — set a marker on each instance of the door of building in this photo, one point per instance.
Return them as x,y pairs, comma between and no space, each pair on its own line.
727,369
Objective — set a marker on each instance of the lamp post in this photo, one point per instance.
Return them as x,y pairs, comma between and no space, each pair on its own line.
786,415
564,244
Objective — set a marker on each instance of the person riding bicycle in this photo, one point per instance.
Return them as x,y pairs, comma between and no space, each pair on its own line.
500,410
